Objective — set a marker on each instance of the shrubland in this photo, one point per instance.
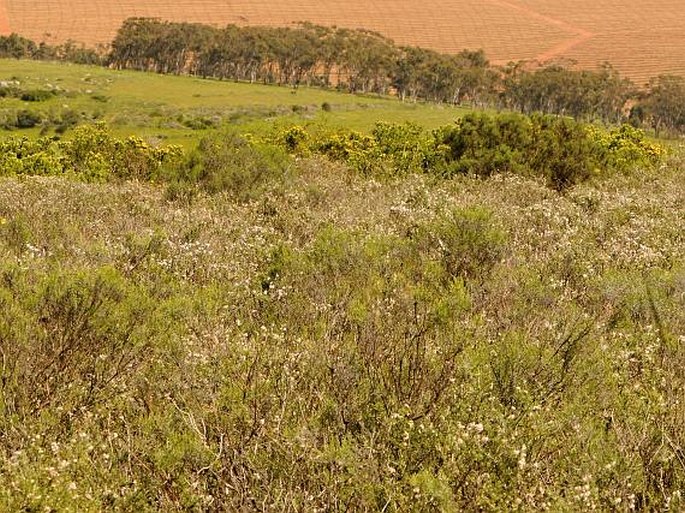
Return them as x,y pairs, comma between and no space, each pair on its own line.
560,150
486,317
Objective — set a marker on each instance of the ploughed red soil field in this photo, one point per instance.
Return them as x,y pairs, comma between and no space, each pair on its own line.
641,38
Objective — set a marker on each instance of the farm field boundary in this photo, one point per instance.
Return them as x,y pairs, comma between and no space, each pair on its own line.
641,39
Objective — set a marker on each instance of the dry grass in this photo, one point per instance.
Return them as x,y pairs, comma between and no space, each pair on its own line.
643,39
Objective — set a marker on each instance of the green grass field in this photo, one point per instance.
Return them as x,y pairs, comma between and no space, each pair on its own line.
174,109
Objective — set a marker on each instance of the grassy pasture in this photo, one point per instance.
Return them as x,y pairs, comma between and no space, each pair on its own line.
176,109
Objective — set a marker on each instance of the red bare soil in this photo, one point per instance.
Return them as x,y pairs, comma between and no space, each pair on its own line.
4,20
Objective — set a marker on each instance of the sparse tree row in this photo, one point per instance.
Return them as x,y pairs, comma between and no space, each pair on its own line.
361,61
15,46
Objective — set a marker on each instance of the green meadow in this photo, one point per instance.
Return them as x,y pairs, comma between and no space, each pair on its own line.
175,109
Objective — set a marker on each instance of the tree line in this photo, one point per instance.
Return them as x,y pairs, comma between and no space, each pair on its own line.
15,46
362,61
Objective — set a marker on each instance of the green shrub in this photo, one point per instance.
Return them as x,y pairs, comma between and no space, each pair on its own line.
9,91
555,148
390,150
65,120
37,95
295,140
467,242
344,146
28,119
23,156
404,149
197,122
624,148
16,233
484,144
91,154
228,162
560,150
69,337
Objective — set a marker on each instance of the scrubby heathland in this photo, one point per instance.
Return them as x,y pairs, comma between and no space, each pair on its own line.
232,297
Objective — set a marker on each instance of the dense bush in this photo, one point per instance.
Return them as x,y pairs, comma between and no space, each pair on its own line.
28,119
560,150
625,147
90,154
557,149
226,161
484,144
37,95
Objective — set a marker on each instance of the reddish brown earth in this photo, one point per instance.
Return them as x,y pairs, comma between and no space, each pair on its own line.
4,19
642,38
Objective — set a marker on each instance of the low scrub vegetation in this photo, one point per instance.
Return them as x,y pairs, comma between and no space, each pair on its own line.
91,154
559,150
343,322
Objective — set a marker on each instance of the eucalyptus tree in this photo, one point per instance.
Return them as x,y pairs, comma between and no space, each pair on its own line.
664,104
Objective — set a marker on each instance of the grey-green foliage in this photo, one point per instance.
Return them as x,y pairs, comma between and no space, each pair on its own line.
227,162
71,338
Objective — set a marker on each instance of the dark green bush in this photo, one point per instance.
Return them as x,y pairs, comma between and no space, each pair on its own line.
198,122
561,151
28,119
228,162
484,144
37,95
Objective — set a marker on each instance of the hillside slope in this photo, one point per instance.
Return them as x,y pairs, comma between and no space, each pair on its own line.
587,31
